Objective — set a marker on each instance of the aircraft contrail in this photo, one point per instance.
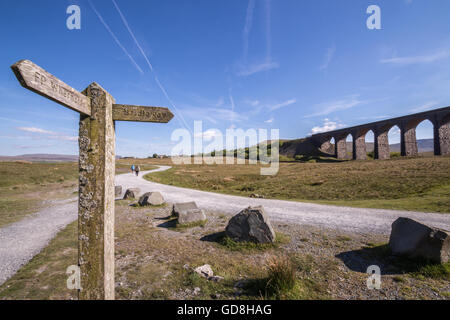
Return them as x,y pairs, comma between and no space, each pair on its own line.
164,91
114,37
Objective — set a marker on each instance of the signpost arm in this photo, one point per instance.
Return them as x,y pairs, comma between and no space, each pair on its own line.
96,197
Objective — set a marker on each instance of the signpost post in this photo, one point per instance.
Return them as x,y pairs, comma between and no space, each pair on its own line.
98,113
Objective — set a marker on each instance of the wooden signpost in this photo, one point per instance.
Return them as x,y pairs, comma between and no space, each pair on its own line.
98,113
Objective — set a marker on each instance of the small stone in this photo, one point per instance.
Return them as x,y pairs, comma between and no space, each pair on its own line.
204,271
186,267
197,290
131,193
151,198
216,278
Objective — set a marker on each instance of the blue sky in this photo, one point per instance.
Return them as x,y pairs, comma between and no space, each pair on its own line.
296,65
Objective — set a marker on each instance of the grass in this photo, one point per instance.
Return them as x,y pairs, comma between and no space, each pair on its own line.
23,185
44,277
287,279
417,184
232,245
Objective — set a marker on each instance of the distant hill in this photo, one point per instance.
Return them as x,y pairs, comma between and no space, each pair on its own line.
41,158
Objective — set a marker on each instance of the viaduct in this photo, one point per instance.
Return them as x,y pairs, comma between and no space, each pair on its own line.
440,118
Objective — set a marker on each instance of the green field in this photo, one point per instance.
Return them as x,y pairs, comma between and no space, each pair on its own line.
25,185
417,184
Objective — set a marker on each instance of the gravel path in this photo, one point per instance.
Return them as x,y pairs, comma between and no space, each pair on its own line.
20,241
357,220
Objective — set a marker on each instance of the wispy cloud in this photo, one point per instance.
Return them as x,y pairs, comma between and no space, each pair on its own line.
247,28
150,66
252,69
338,105
328,125
115,38
328,57
48,134
427,106
269,120
246,69
282,104
407,60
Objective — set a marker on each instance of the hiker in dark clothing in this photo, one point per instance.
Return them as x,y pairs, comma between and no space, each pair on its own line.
137,169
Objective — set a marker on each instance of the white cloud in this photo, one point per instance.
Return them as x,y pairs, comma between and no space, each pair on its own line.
252,69
269,121
253,103
328,125
48,134
338,105
328,57
283,104
208,135
417,59
35,130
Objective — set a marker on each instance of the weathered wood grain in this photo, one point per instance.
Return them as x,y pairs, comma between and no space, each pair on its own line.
124,112
36,79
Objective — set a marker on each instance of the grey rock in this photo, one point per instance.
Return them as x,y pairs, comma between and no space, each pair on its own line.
118,191
416,240
191,216
183,206
204,271
251,225
216,278
151,199
132,193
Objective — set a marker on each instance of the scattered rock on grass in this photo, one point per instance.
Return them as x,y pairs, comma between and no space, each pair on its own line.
416,240
183,206
204,271
151,198
131,193
251,225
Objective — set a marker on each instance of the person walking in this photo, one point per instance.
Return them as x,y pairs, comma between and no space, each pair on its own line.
132,168
137,170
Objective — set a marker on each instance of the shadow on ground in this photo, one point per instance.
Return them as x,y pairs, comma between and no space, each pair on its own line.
359,260
213,237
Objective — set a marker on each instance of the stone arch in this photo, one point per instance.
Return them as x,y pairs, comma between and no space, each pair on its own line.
424,130
325,144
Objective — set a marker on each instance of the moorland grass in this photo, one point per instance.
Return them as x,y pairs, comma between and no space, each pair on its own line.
415,184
